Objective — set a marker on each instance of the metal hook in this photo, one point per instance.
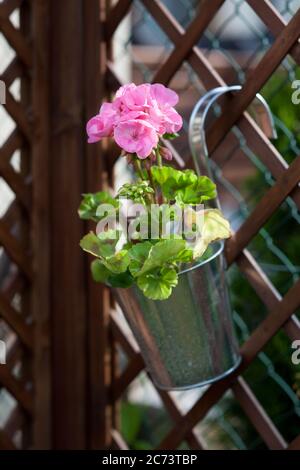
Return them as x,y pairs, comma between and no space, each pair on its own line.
197,137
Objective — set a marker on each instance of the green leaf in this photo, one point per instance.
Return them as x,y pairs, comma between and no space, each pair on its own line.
138,255
118,263
99,272
185,256
101,247
185,187
161,253
158,285
90,202
123,280
202,190
215,227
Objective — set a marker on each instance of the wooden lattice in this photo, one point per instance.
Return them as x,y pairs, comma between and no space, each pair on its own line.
63,330
16,262
287,180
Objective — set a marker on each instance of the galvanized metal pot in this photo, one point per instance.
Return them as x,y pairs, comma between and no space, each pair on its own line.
187,340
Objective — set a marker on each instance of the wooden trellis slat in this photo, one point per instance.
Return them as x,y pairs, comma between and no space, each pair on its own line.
5,442
263,211
8,6
255,81
273,20
15,251
23,396
16,40
295,444
191,37
115,16
117,440
258,416
265,290
15,321
16,111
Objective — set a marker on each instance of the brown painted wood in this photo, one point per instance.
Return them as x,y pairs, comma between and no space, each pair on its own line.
98,296
265,290
206,12
238,103
257,415
295,444
15,252
115,16
67,274
274,21
263,211
18,115
41,157
23,396
16,322
16,40
5,442
117,440
8,6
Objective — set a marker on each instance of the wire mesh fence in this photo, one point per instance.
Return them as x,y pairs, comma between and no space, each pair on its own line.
233,43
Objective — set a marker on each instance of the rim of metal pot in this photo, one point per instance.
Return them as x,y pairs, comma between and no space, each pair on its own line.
202,263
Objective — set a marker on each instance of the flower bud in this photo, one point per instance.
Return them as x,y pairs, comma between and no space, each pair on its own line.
166,153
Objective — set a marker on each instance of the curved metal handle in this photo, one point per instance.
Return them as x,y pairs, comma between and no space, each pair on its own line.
197,137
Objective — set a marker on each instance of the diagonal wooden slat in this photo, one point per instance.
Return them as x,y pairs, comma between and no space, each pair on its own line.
15,252
258,416
263,211
12,143
191,36
15,110
12,71
16,40
14,180
274,21
23,396
117,440
295,444
259,338
115,16
8,6
265,290
238,103
5,442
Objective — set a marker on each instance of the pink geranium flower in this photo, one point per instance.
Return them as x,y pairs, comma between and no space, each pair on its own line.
102,124
136,136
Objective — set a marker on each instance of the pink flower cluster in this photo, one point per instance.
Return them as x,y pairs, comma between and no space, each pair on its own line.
136,118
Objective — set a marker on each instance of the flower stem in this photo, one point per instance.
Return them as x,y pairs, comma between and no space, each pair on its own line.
138,168
158,157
